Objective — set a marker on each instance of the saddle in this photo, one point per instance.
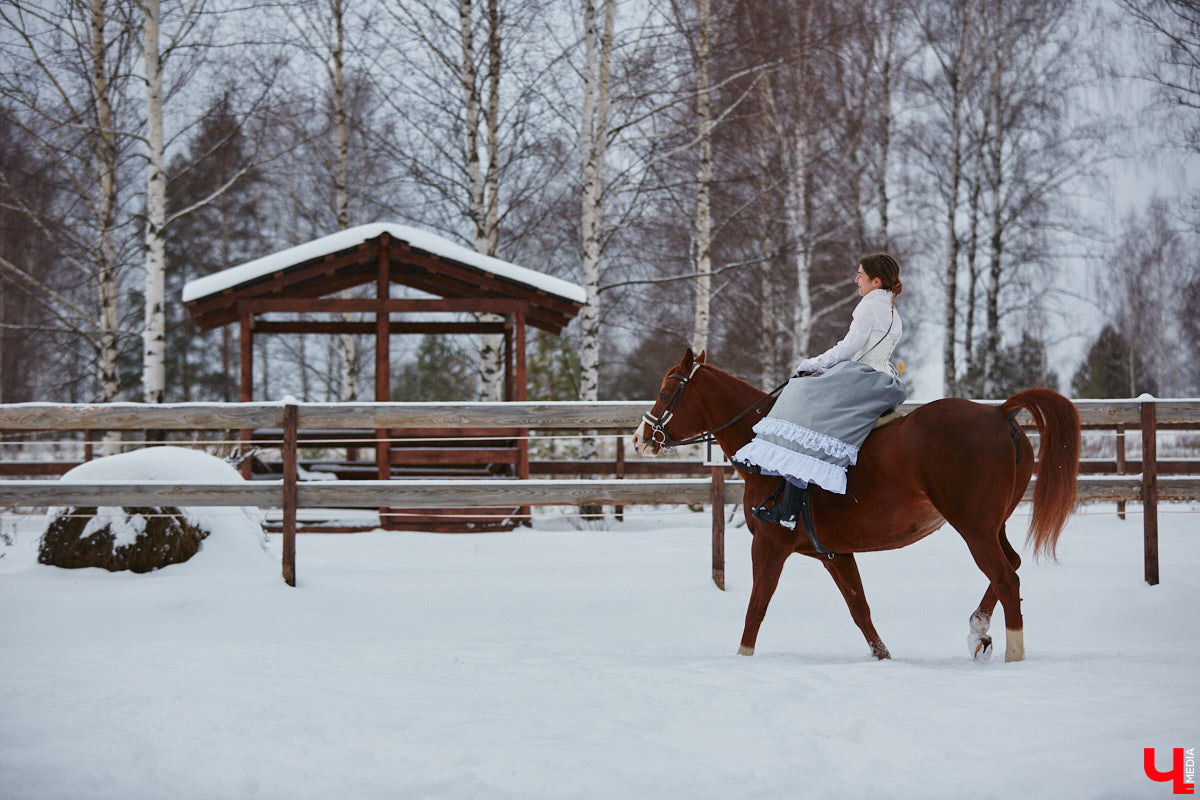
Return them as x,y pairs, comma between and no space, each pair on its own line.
889,417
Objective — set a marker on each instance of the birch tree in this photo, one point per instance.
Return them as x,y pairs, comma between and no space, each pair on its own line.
598,23
1173,66
69,72
483,179
469,87
154,336
180,41
1144,289
798,164
949,30
1032,150
329,34
704,174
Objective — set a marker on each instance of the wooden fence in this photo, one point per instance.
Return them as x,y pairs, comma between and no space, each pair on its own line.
1149,487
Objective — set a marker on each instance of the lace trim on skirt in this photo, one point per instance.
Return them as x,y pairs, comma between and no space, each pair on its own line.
773,459
807,438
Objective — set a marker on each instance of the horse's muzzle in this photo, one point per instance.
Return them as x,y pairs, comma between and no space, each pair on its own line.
643,441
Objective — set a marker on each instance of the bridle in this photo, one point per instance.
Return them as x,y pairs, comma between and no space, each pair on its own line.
658,429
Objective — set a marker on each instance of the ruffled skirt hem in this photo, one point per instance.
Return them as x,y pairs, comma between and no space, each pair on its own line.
806,438
772,459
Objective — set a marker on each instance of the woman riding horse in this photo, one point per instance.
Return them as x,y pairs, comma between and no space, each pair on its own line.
950,461
817,426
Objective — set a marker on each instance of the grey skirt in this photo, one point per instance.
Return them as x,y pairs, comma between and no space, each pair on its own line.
818,424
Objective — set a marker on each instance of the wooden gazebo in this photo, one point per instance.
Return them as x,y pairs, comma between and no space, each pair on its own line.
300,280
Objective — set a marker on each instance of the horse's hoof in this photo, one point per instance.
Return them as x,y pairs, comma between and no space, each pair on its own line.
880,651
745,651
1014,645
980,645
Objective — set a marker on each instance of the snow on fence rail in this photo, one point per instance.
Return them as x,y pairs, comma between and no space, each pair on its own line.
288,494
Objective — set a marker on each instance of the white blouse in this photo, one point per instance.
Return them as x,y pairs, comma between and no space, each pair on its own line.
875,329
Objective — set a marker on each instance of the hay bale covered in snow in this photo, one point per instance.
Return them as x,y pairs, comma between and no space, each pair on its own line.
140,539
130,538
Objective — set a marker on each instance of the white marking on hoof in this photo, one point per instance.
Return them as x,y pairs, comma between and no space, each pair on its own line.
745,651
1014,645
979,643
980,646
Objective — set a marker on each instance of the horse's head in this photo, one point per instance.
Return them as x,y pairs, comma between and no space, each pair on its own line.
652,434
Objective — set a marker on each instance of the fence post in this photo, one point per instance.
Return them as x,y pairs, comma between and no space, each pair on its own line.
619,510
718,529
1150,491
289,455
1121,466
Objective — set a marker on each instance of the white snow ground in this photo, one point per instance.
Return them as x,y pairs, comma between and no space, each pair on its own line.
597,663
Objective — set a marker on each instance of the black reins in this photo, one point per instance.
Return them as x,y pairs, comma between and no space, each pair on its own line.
658,431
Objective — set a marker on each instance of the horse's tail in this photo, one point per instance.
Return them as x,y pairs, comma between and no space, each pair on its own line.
1058,462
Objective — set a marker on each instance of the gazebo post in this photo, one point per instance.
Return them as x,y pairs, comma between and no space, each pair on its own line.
383,327
246,343
520,394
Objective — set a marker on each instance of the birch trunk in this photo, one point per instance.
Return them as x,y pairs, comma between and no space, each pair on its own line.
768,319
593,141
154,337
886,123
991,344
995,170
592,144
800,234
973,222
958,85
483,172
799,202
703,221
347,342
106,207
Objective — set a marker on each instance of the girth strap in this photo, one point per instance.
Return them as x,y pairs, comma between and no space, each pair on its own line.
807,518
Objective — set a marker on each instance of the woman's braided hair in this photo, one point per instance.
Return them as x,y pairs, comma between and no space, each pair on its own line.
887,269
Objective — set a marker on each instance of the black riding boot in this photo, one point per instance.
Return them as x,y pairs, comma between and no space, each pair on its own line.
783,506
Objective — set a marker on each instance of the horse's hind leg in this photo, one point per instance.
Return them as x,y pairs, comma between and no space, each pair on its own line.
979,641
844,571
993,554
767,557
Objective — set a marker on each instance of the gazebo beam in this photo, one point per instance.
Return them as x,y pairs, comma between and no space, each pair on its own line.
366,305
368,328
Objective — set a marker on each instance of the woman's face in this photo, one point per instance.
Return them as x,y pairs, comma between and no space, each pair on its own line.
864,283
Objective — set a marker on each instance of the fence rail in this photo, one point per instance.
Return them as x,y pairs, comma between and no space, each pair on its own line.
288,494
418,493
614,415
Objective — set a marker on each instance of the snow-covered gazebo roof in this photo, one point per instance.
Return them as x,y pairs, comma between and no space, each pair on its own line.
352,257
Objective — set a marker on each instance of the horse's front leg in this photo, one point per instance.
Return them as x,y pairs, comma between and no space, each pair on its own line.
844,571
767,555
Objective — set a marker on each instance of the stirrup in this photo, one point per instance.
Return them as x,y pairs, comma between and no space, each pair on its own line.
773,513
788,510
746,466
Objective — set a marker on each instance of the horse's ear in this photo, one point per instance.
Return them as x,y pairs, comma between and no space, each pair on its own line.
700,358
688,358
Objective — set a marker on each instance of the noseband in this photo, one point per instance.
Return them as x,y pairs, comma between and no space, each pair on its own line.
658,429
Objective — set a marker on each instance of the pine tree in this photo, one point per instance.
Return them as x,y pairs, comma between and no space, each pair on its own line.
220,233
442,371
1016,367
1111,370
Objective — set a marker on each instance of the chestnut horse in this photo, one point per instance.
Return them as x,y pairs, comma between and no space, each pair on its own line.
951,460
